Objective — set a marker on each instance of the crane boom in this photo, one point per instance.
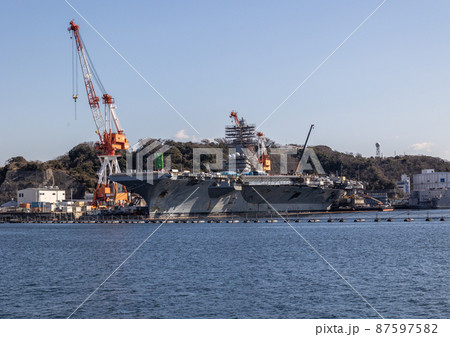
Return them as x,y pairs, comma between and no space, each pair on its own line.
379,203
87,76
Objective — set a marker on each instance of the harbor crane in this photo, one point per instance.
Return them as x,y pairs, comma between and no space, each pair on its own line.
110,132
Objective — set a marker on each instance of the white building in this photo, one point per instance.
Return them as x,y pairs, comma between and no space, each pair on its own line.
430,180
44,194
431,189
404,184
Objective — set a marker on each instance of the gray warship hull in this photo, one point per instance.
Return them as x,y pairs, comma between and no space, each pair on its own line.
188,196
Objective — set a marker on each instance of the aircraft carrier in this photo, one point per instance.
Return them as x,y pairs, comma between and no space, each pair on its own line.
250,190
188,195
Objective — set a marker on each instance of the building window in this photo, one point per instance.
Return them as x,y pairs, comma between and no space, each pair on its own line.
442,180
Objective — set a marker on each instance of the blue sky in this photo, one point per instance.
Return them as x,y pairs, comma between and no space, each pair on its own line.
390,83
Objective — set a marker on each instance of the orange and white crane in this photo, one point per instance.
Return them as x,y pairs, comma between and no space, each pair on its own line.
109,141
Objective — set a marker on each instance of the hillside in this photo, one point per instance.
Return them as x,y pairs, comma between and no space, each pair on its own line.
76,170
378,173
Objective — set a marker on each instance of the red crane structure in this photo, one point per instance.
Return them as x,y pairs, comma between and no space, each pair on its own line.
109,141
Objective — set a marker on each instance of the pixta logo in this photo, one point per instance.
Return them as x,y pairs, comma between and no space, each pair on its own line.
148,158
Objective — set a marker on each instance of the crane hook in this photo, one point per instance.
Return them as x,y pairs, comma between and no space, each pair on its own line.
75,97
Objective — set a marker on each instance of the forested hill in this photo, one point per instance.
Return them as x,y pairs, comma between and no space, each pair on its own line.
77,168
378,173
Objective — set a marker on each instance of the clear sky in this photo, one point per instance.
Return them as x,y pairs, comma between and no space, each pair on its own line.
390,82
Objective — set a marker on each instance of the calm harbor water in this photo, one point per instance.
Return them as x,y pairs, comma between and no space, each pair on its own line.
236,270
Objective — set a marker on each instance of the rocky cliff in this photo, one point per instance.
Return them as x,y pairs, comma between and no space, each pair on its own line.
15,180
